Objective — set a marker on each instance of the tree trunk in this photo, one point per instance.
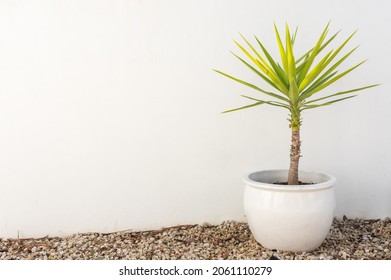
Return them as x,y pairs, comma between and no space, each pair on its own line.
293,175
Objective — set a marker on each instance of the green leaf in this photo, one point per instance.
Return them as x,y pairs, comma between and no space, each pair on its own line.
324,63
244,107
282,50
315,90
317,83
320,49
272,103
252,86
265,68
259,102
277,69
300,68
312,56
307,107
266,65
256,71
342,46
293,92
324,77
290,57
338,63
253,59
315,72
294,36
341,93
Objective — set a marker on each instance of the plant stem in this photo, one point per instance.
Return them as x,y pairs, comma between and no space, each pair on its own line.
293,175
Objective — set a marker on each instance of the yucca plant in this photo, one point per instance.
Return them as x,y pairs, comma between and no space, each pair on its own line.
296,82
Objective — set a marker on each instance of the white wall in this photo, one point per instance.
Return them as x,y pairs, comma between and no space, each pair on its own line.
109,112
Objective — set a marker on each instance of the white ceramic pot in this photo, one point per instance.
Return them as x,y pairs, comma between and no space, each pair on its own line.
290,218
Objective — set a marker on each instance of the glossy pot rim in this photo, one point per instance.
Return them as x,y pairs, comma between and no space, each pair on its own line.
264,179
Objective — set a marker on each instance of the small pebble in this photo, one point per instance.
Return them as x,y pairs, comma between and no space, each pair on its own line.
348,239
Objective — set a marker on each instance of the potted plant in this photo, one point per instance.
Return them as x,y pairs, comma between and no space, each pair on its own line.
290,209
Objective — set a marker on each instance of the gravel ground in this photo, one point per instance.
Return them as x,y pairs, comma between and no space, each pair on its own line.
348,239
